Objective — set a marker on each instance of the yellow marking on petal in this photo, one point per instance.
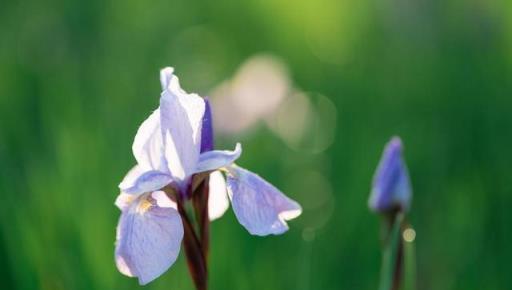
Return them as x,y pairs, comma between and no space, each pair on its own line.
129,199
143,206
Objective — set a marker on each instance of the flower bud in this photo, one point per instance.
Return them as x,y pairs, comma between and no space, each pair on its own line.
391,189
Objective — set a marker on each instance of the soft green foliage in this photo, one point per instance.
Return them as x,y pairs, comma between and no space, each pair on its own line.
78,77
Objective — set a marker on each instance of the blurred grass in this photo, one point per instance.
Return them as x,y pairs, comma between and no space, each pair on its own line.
77,78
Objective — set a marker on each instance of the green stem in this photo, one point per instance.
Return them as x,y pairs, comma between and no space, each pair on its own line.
391,257
410,259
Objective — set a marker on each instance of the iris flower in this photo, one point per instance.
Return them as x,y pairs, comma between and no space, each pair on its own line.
172,147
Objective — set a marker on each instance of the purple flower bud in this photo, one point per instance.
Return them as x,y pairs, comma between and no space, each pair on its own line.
391,189
207,129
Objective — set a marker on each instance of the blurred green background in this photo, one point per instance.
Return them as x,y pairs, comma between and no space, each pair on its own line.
78,77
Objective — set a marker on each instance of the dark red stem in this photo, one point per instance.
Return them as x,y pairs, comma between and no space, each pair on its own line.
398,273
196,236
200,202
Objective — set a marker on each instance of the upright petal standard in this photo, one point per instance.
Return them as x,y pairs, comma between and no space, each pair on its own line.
181,116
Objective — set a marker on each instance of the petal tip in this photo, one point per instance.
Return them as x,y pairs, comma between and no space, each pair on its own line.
238,148
394,146
165,76
290,214
123,267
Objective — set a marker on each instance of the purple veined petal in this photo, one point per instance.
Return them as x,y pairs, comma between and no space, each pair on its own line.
165,77
260,207
138,182
148,146
218,201
391,186
216,159
181,116
148,239
207,128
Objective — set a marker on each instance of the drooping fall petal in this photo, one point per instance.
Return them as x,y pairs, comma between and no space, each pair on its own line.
260,207
148,239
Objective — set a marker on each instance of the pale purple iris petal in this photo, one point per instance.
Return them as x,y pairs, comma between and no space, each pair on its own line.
148,240
260,207
181,117
165,77
391,186
148,181
148,146
218,201
207,128
216,159
124,200
131,177
162,200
